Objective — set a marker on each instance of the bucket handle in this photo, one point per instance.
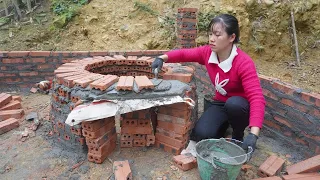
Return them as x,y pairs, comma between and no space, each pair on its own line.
247,154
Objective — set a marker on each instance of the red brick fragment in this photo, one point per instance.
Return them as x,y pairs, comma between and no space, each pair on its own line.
5,99
143,82
185,162
305,176
8,125
308,165
272,166
121,170
150,140
6,114
125,83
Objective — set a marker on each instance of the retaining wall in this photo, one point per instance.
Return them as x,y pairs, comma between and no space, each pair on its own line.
290,112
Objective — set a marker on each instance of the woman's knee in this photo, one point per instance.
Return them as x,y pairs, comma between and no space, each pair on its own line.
237,104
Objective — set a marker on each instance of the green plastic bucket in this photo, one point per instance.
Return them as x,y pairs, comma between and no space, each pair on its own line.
220,159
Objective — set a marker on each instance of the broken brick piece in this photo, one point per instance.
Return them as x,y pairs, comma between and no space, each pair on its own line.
12,105
125,83
185,162
121,170
305,176
272,166
151,139
5,99
8,125
6,114
308,165
143,82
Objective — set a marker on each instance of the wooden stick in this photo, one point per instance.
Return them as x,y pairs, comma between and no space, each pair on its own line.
295,38
5,7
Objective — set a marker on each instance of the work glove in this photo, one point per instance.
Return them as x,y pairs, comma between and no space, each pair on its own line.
251,141
157,64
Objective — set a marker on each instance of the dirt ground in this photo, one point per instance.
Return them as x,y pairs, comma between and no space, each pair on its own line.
37,157
265,30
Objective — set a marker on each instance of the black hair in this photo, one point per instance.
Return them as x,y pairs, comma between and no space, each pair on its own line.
229,22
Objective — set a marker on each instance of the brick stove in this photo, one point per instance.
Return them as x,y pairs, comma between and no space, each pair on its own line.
118,77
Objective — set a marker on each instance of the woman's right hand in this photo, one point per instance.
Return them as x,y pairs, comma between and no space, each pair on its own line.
157,64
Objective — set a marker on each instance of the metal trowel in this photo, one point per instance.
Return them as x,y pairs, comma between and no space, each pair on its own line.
156,81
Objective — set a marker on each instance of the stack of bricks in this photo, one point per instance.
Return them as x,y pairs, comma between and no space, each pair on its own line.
136,129
173,127
101,138
187,27
10,111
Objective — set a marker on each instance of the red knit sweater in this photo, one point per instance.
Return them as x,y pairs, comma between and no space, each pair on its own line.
243,78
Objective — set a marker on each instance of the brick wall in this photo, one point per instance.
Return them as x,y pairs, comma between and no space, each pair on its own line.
291,112
24,68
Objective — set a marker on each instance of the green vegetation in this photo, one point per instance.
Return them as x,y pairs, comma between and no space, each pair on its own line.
204,19
65,10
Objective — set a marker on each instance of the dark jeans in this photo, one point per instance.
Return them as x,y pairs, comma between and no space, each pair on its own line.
216,119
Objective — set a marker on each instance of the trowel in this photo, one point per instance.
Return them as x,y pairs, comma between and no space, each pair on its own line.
156,81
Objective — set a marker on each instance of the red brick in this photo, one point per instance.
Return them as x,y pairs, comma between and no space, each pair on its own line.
60,125
269,178
17,98
140,114
301,141
143,82
8,125
34,73
168,148
185,162
69,81
84,82
306,166
133,53
36,60
126,143
272,166
104,147
125,83
18,113
170,141
60,77
100,158
98,53
76,131
79,53
12,105
95,134
139,142
39,53
186,78
144,122
306,176
105,82
126,137
179,129
121,170
129,123
284,88
150,140
172,119
18,53
45,66
12,61
4,99
172,134
101,140
174,112
282,121
270,94
136,130
295,105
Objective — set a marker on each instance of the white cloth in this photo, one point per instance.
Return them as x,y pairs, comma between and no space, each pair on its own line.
225,65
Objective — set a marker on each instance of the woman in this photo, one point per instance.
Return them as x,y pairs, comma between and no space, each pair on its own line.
238,100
